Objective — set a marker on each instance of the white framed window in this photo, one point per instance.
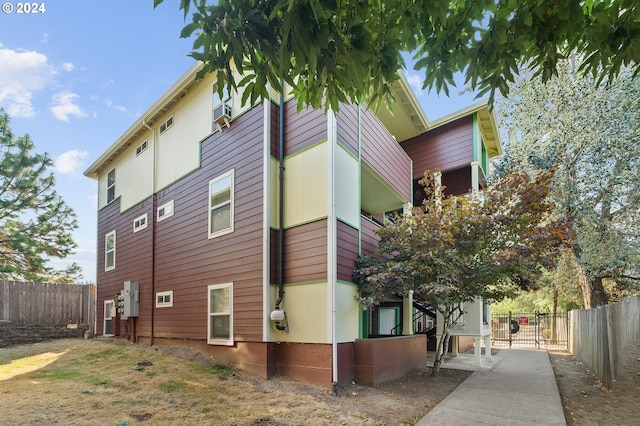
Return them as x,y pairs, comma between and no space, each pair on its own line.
141,148
111,185
166,125
110,251
220,312
165,211
221,205
164,299
140,223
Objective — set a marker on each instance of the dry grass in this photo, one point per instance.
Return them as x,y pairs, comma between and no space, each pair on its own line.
97,382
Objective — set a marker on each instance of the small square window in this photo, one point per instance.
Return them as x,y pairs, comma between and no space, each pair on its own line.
141,148
164,299
140,223
165,210
166,125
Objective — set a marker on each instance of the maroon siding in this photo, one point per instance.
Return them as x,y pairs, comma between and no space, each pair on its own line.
348,127
347,250
304,129
305,251
369,237
384,155
458,181
187,261
275,129
133,262
445,148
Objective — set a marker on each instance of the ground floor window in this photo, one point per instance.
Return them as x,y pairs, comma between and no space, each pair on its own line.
220,312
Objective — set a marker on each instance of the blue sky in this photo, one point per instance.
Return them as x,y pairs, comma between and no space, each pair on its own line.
76,76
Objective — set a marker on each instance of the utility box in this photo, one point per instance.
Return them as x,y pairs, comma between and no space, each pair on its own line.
128,301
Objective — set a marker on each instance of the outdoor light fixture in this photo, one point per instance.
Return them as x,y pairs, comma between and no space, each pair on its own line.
279,316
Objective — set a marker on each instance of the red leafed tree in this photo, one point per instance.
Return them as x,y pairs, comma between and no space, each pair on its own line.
450,250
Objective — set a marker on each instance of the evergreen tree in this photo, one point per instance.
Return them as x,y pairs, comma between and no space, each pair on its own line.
35,222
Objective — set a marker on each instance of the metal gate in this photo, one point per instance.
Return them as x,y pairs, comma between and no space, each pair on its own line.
530,330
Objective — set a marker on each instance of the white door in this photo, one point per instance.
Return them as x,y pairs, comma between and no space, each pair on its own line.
109,313
387,321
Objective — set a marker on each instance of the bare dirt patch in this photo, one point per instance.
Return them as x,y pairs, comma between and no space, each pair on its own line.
587,402
110,382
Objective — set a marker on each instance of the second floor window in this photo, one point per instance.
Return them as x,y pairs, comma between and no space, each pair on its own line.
111,185
221,205
110,251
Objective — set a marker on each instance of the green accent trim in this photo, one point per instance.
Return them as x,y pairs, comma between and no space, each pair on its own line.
315,144
476,145
346,282
301,283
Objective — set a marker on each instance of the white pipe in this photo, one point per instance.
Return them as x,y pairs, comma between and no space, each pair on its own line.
332,257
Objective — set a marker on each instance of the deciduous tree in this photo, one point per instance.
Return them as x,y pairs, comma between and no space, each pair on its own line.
452,249
592,137
35,222
351,50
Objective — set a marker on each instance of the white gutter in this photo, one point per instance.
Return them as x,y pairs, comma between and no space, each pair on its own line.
332,258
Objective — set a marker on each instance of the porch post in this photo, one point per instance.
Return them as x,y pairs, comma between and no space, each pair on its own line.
475,176
476,350
407,314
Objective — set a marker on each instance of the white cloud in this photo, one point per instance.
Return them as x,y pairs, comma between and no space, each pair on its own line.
108,102
69,162
22,74
415,81
68,66
64,106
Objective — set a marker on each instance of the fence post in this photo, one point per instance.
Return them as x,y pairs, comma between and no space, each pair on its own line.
509,328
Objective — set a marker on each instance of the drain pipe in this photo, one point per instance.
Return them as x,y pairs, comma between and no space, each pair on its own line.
278,315
153,231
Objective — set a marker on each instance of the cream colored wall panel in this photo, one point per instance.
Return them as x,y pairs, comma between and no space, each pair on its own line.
347,193
348,311
179,146
305,187
306,309
133,175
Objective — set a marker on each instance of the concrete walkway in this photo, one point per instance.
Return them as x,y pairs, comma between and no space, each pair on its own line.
515,387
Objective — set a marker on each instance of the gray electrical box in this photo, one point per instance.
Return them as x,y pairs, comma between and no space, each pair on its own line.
128,301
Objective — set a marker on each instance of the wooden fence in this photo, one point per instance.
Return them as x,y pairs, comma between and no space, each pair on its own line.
47,304
607,339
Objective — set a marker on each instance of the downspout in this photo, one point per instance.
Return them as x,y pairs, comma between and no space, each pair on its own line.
278,324
153,231
332,245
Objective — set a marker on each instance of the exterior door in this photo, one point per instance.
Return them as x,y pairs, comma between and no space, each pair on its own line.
388,320
108,317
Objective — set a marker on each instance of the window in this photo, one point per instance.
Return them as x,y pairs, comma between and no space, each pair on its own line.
220,308
166,125
141,148
140,223
165,210
164,299
110,251
458,316
221,205
111,185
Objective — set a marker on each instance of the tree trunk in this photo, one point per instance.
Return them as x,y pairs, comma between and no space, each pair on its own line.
599,296
585,287
441,351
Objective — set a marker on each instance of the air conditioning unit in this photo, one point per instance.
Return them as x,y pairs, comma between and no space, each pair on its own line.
221,115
